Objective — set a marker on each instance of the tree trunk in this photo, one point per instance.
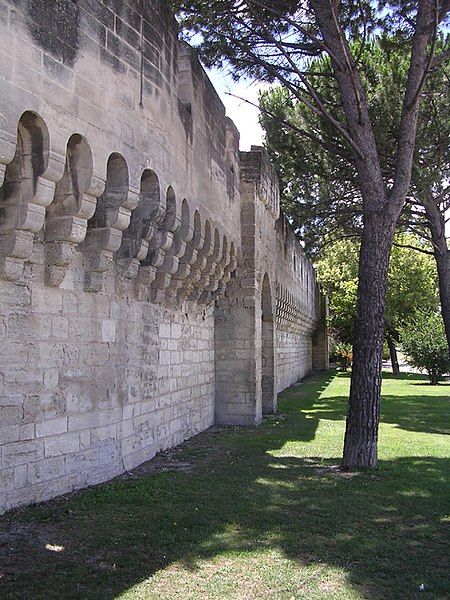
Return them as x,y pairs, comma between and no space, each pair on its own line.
433,376
393,354
361,435
436,223
443,267
381,209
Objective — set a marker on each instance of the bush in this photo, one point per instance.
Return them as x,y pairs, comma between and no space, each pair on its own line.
343,354
425,345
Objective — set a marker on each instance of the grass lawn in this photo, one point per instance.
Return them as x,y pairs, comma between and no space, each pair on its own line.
256,513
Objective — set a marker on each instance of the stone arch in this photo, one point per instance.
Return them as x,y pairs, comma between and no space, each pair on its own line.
189,257
115,193
29,162
229,270
73,205
204,250
70,190
182,235
111,217
268,392
171,219
186,224
144,223
24,195
207,245
166,222
218,274
211,265
198,230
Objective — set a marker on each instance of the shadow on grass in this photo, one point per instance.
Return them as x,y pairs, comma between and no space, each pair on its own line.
417,378
386,530
423,411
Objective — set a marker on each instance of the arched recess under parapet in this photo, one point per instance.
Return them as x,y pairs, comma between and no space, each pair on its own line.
268,392
30,159
73,205
111,217
144,223
24,195
171,219
115,193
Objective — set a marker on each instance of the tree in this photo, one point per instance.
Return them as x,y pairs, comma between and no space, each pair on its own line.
411,284
319,190
424,343
337,272
270,40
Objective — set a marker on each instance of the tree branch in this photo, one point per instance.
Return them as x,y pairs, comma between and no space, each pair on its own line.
411,247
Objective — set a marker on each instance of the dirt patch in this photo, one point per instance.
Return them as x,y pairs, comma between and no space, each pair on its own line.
334,470
337,472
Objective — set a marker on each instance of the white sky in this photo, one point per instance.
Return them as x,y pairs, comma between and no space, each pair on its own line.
244,115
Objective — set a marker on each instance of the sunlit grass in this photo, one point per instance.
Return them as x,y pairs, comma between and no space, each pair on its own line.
261,516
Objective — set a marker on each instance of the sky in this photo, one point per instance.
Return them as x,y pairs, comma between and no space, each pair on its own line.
244,115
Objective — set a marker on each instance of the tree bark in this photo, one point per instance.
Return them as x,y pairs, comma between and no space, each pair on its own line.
436,223
361,435
393,354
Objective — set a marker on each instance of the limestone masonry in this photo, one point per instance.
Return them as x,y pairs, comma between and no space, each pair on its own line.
149,286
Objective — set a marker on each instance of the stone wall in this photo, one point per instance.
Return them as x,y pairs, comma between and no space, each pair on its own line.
296,293
148,285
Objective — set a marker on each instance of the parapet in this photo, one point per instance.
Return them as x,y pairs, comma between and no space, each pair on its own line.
298,293
257,167
113,142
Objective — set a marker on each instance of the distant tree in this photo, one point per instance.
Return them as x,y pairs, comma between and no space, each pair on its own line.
424,343
343,354
411,285
270,40
320,190
337,272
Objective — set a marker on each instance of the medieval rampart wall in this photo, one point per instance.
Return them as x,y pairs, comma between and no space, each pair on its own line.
123,217
296,294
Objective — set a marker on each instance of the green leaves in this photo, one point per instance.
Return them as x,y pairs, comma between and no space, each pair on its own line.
319,182
425,344
411,284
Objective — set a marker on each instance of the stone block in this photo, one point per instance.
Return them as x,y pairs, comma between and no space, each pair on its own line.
42,407
21,476
46,300
51,379
51,427
9,433
47,469
60,328
27,431
108,330
21,453
164,330
13,354
62,444
10,415
7,481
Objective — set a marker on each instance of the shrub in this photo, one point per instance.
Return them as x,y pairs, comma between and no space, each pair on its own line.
343,354
425,345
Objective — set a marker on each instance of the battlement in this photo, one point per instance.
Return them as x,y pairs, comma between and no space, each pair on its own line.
256,167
